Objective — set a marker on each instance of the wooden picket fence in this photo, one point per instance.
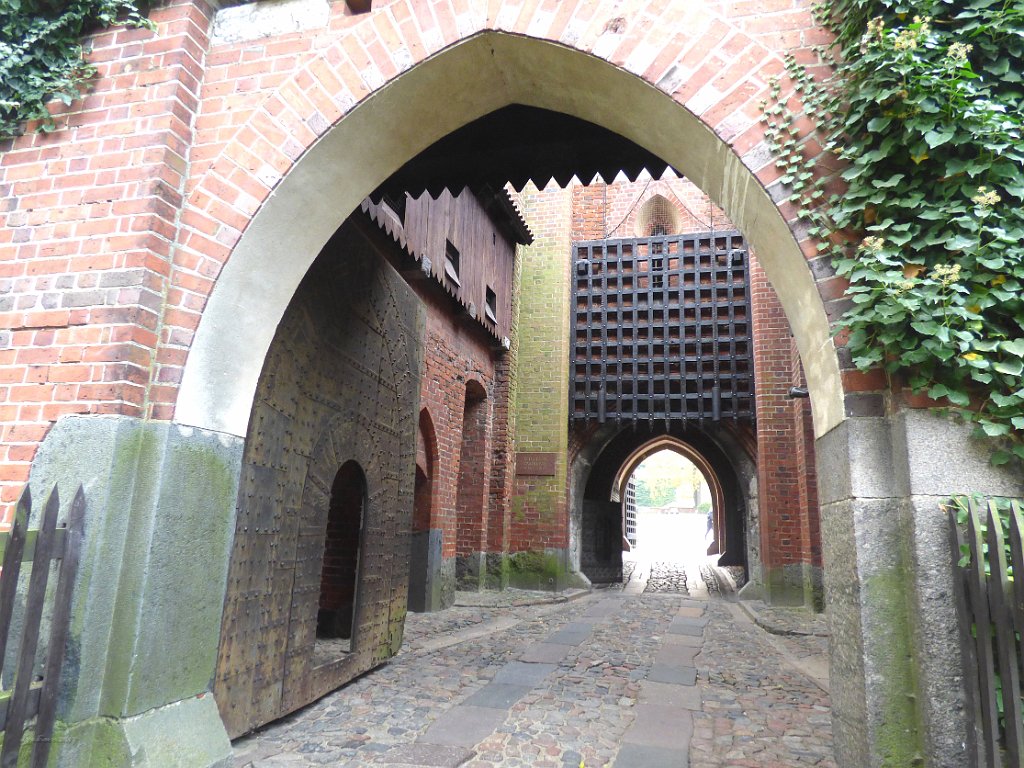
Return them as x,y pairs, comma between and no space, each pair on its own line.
989,595
31,695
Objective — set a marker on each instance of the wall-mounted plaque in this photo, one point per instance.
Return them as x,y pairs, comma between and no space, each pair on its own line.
538,464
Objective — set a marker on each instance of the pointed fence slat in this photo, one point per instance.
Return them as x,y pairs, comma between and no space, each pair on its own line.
1017,561
1006,639
23,674
989,597
12,568
60,622
978,590
32,696
975,745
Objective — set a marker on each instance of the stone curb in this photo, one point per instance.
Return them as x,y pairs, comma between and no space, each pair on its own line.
774,628
557,597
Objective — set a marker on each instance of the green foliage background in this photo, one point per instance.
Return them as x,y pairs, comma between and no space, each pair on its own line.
41,54
924,108
656,493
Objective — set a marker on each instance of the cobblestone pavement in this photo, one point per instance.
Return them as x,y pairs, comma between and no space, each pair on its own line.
666,577
609,678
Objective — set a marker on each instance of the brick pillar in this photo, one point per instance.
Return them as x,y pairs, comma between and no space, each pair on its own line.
787,496
539,536
92,212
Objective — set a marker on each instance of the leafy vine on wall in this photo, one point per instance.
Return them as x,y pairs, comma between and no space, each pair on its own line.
41,55
924,107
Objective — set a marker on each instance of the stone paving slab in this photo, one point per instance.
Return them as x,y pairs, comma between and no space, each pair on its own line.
573,634
658,725
670,694
603,609
280,761
463,726
498,695
551,653
523,673
686,627
431,755
677,655
683,641
669,673
642,756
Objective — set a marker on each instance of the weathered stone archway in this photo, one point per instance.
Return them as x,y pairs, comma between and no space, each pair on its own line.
486,71
263,195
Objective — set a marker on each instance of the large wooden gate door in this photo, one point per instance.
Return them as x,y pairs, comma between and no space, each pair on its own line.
340,383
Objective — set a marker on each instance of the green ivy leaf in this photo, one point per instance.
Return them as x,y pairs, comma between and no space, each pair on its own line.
936,138
1015,347
1010,367
994,430
888,183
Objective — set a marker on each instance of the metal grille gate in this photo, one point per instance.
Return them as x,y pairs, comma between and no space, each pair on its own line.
662,329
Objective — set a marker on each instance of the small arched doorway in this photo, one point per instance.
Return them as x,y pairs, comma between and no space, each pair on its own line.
664,490
425,555
471,505
602,473
338,576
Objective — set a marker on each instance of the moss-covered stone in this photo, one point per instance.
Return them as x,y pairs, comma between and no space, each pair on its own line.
898,732
545,570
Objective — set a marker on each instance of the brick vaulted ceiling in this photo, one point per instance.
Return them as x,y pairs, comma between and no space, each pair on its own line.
518,144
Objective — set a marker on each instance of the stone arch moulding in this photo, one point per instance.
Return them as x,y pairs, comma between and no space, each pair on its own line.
395,122
665,443
669,443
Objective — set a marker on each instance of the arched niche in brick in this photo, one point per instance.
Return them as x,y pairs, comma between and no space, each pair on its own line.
472,492
480,73
657,217
425,552
426,456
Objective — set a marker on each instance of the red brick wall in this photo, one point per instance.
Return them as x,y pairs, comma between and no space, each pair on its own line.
453,355
539,509
611,211
474,466
114,228
787,479
502,452
88,219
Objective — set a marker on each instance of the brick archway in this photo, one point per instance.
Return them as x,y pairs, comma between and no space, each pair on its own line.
695,457
156,239
348,151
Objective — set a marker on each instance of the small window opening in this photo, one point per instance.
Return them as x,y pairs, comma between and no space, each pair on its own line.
658,217
451,262
491,305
